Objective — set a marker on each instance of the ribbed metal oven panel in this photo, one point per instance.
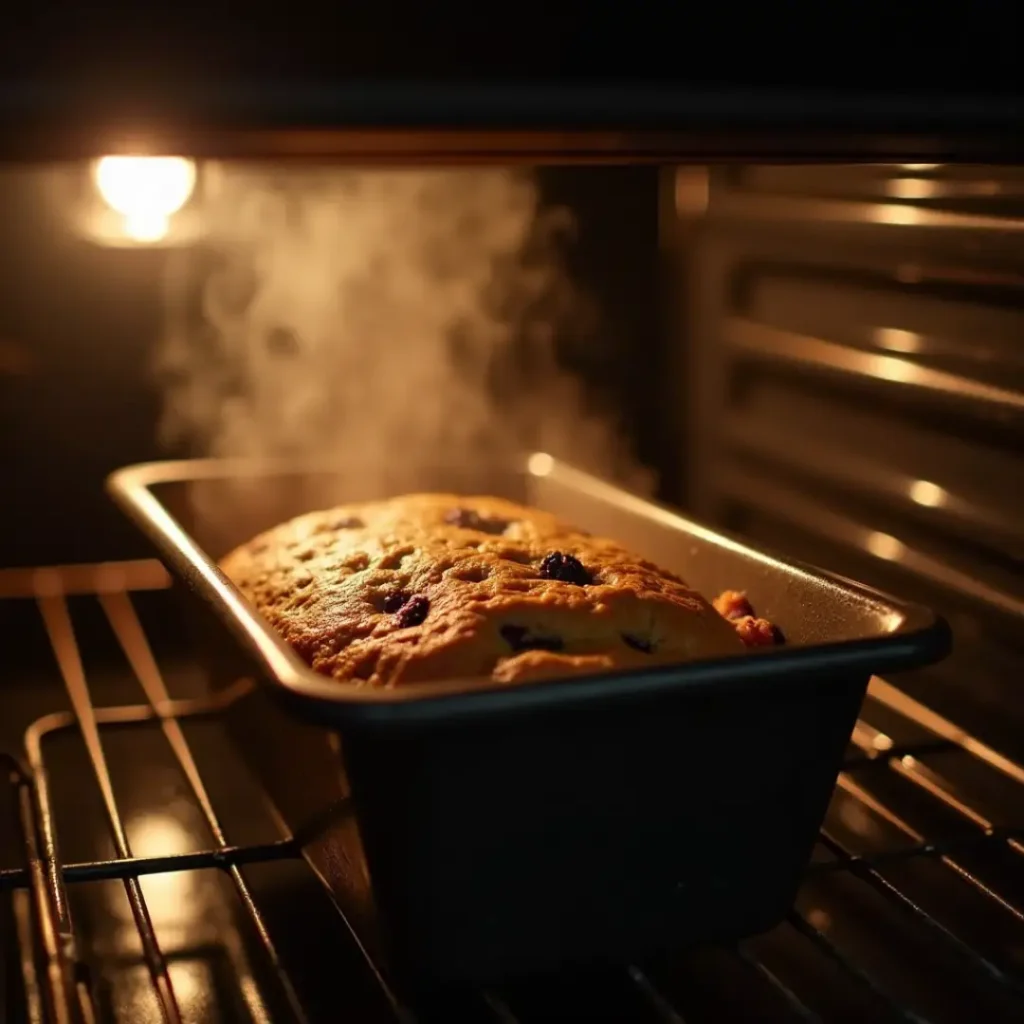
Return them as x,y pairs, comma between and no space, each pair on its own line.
855,387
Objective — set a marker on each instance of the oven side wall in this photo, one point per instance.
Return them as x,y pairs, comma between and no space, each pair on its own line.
850,386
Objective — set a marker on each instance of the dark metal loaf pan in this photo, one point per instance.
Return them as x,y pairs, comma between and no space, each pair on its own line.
509,829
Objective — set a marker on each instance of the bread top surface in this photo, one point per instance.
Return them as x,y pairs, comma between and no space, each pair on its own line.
429,587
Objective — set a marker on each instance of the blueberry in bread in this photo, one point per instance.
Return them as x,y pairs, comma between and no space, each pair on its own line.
436,586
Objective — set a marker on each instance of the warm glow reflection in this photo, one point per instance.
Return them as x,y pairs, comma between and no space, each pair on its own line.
819,918
897,341
883,545
924,492
173,897
191,984
899,371
912,188
882,742
901,216
146,191
540,464
159,835
856,817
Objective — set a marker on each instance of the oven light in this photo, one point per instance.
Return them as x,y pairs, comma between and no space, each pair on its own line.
146,190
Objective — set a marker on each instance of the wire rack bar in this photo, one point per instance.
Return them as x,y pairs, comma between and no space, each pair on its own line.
54,610
22,904
666,1012
868,800
930,848
109,870
795,1003
126,626
896,700
56,936
863,870
89,579
502,1013
906,763
863,979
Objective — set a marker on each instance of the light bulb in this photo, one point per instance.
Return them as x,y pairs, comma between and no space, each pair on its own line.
145,190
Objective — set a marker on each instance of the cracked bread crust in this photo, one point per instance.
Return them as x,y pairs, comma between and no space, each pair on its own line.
435,586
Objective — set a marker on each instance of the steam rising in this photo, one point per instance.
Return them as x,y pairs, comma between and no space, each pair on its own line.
387,319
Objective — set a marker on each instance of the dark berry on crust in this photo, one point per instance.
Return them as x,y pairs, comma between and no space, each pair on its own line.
519,639
638,643
394,602
469,519
567,568
414,611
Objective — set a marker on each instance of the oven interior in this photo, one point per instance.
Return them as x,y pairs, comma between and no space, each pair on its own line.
823,359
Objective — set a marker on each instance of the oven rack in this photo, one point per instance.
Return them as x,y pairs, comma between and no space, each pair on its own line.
56,988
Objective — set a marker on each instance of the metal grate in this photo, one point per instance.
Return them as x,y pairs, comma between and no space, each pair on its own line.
911,909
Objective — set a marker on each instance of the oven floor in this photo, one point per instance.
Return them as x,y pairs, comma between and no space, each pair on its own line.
910,911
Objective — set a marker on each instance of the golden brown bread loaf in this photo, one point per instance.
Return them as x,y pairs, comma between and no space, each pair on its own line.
437,586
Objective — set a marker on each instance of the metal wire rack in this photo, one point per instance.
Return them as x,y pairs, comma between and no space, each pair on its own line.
911,910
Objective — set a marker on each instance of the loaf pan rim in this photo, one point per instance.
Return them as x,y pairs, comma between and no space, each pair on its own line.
919,637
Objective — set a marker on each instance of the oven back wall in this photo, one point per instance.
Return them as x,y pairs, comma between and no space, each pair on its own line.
76,329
